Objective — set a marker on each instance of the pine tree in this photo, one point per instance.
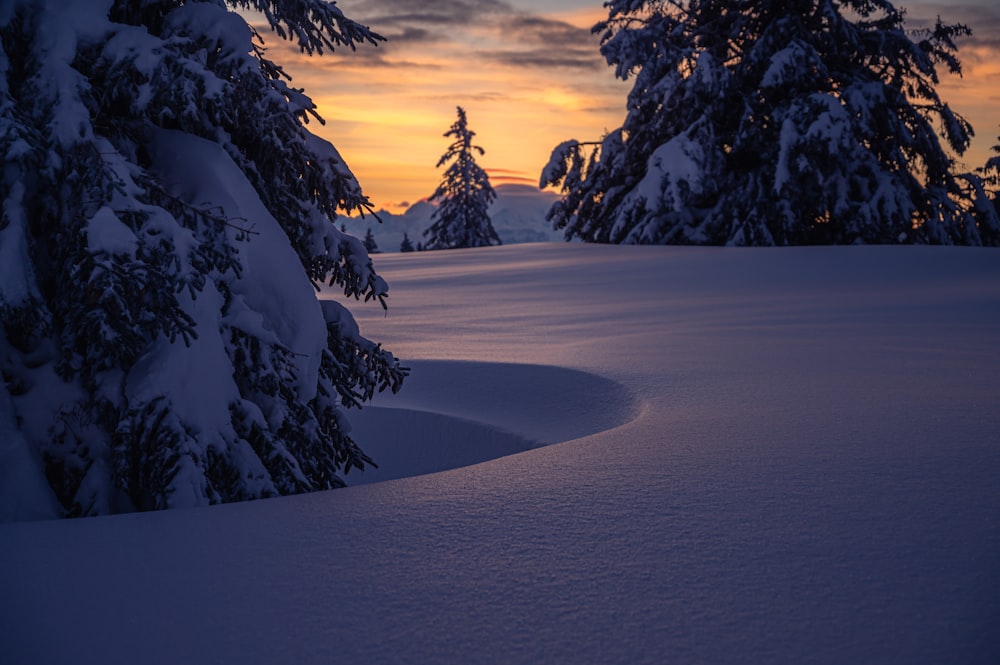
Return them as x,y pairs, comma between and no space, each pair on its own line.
772,122
462,218
369,242
167,218
407,244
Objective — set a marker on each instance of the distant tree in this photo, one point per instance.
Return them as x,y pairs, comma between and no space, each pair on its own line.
989,215
991,172
369,242
772,122
166,219
407,244
462,217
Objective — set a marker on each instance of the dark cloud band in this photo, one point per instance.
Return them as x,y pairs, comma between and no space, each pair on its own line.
525,39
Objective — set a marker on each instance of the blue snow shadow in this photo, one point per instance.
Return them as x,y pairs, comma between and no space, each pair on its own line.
451,414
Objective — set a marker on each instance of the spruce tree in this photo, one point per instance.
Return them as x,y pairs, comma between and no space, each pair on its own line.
464,196
369,242
773,122
407,244
167,219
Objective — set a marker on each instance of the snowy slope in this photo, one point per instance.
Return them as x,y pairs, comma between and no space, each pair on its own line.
518,215
769,455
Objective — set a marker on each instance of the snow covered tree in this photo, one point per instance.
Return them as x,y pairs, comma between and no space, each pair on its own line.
462,218
167,220
772,122
407,244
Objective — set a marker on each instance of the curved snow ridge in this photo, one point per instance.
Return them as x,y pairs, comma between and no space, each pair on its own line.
457,413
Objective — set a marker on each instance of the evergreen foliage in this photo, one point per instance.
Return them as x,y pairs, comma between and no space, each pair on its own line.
773,122
462,218
991,172
369,242
160,341
407,244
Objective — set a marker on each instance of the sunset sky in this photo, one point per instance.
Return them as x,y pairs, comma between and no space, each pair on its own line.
529,75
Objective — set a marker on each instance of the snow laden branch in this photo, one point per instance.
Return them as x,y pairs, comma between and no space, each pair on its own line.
314,24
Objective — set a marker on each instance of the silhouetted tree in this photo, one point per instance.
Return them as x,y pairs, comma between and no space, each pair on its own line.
369,242
462,217
407,244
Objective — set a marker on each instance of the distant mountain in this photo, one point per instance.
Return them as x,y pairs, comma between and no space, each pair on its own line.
518,215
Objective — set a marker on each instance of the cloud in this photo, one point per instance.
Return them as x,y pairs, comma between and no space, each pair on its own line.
543,58
511,177
440,14
485,31
539,41
505,173
531,28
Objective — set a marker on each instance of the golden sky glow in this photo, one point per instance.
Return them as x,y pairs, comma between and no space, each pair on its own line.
529,75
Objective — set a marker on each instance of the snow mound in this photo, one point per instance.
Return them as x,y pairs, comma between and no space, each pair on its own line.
458,413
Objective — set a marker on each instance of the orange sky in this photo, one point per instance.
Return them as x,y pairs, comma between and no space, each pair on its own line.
528,79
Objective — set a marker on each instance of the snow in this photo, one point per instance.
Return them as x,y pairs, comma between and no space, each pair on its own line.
272,283
786,65
556,169
788,143
194,375
67,23
107,233
674,173
759,455
449,416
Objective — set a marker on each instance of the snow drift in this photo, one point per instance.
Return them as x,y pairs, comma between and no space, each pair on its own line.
810,477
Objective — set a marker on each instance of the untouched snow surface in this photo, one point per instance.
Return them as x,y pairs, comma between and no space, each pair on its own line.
768,456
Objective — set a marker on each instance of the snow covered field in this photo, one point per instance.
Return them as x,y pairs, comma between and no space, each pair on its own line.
758,455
